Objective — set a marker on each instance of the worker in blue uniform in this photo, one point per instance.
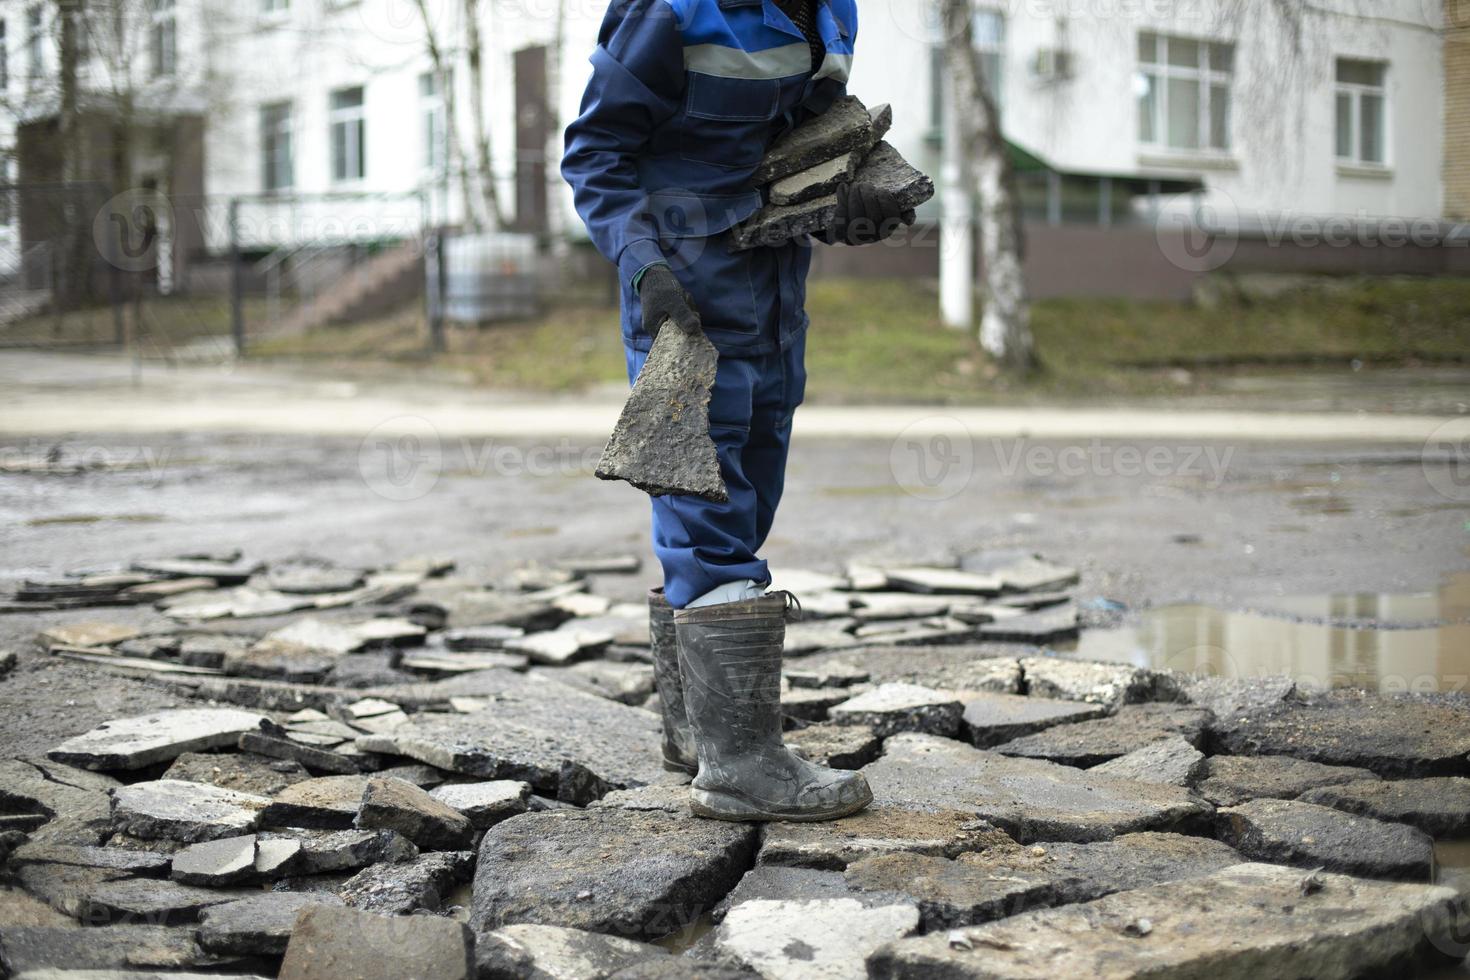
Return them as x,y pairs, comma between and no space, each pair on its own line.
685,98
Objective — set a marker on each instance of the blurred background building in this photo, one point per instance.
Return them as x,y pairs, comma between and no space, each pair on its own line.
316,143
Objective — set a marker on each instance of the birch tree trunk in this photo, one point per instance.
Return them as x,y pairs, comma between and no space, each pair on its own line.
454,148
475,55
1005,326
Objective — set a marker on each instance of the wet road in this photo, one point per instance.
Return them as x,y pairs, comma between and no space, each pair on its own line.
1167,516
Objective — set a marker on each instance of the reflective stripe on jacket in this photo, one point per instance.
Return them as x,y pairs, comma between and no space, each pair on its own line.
684,99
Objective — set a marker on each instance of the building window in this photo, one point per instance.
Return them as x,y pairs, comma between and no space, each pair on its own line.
275,147
4,57
1183,90
990,41
165,37
435,117
1362,112
35,42
348,132
274,7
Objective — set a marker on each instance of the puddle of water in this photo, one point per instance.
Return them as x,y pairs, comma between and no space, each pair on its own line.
1205,640
678,942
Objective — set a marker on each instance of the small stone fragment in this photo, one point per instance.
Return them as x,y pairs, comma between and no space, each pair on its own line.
661,443
816,181
1110,685
1227,780
1030,799
480,638
1001,881
217,862
527,950
560,646
1090,743
892,708
628,683
992,719
313,758
846,746
1224,926
1050,625
133,743
485,804
421,884
1021,571
1394,736
550,868
333,943
881,829
151,901
328,852
259,925
394,804
243,771
327,803
942,580
187,812
845,126
140,863
813,939
1308,835
1169,760
1439,806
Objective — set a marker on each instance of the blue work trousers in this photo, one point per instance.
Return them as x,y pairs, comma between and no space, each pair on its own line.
704,545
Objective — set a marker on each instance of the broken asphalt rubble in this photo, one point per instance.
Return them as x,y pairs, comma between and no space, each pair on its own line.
384,772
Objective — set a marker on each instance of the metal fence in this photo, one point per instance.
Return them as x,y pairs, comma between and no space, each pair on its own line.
202,277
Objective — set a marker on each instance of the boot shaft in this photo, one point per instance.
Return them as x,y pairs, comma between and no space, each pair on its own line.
730,658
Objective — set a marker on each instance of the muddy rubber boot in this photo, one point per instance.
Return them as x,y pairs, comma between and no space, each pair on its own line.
679,754
730,657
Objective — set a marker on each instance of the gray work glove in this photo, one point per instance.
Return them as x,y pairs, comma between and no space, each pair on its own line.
866,214
663,298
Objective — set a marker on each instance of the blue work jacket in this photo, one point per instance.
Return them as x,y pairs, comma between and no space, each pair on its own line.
684,100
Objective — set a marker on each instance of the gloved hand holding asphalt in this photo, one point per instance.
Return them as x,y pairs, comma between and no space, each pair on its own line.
709,147
663,299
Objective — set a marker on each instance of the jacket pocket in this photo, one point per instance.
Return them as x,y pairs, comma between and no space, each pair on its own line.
726,119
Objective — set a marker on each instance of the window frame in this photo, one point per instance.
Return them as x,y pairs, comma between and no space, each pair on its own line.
1356,91
434,120
35,42
275,131
1203,74
354,120
163,27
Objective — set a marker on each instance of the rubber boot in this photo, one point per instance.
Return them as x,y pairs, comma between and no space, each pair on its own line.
730,657
679,754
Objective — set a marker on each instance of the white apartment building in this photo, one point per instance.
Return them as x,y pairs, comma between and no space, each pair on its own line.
1262,110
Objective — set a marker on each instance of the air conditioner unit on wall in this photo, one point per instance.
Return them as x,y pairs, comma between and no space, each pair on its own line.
1051,65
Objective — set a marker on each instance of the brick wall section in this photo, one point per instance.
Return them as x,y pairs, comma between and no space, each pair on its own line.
1457,109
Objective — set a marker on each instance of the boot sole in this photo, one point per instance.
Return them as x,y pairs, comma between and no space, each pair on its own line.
727,806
